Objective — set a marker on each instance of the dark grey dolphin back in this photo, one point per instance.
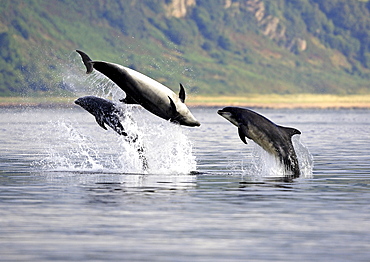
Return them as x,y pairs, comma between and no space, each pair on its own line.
276,140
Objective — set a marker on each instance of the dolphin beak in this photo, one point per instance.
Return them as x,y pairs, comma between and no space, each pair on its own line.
77,101
193,123
228,116
197,123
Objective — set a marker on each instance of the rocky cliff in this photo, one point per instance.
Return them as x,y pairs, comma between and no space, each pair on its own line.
179,8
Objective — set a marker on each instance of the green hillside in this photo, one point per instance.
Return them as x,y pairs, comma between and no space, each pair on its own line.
214,47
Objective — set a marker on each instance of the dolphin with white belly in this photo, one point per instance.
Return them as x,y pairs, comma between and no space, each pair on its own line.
141,89
276,140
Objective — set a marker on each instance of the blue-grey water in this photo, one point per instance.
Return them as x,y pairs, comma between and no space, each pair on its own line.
71,191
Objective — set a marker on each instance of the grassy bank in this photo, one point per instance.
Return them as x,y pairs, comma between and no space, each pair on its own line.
253,100
36,101
284,101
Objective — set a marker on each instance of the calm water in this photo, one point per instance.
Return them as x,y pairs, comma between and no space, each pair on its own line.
71,191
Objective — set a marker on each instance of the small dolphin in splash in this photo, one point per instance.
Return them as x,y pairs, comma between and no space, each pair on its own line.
276,140
141,89
106,112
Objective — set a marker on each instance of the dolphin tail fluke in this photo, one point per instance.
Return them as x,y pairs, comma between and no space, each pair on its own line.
87,61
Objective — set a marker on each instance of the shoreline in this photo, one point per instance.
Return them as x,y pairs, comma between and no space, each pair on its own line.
296,101
272,101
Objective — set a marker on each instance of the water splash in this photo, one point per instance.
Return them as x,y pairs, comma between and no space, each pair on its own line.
77,151
166,147
265,165
169,149
305,158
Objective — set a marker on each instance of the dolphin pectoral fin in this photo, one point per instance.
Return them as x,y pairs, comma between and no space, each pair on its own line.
100,120
173,111
129,100
87,61
173,107
182,94
290,131
117,126
242,135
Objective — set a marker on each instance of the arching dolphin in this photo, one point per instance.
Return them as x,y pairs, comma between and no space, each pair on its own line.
106,112
275,139
143,90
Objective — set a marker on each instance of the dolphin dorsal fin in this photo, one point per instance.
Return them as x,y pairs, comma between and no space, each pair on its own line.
87,61
182,94
290,131
242,135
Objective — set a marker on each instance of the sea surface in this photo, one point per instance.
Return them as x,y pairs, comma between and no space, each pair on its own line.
72,191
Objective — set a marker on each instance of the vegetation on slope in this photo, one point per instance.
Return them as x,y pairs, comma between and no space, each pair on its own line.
216,47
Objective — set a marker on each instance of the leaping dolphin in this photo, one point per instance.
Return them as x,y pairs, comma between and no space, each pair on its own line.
106,112
276,140
141,89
